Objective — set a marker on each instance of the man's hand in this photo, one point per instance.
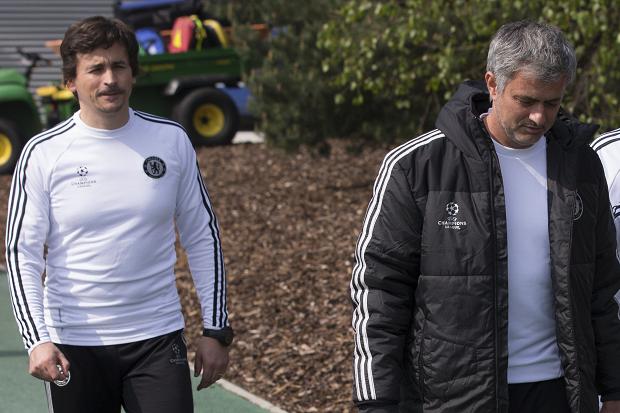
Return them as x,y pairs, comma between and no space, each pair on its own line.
611,406
44,362
211,359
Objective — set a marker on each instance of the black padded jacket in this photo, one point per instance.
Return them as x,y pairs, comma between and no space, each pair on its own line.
430,287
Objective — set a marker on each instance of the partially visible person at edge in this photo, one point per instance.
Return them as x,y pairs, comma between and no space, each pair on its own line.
102,192
607,146
485,271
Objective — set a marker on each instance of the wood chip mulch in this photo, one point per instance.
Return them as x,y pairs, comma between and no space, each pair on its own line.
288,224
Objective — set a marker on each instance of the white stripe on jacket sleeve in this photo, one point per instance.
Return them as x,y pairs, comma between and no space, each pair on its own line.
364,382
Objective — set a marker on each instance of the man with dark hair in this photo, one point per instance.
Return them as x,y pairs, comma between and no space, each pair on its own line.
101,193
486,272
93,33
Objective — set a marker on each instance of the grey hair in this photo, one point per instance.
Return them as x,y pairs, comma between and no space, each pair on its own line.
536,48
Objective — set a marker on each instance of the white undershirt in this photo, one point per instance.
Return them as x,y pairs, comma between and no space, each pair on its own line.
533,353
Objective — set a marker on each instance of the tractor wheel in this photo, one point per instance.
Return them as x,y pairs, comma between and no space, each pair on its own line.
209,116
11,146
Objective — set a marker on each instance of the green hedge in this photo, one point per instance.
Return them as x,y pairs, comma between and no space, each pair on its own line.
380,70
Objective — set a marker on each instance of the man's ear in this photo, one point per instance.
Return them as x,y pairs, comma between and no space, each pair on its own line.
70,84
491,82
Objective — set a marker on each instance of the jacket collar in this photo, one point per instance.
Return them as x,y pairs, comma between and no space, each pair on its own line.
460,121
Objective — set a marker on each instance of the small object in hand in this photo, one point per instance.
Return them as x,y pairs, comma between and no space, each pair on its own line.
62,383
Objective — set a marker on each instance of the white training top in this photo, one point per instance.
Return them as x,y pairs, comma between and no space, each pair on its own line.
607,146
105,203
533,354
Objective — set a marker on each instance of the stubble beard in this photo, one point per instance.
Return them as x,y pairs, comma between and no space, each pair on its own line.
511,135
113,108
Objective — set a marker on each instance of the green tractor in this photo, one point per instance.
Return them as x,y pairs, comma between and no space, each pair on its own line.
19,116
191,88
189,71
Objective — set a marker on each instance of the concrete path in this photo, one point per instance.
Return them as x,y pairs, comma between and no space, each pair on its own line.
248,137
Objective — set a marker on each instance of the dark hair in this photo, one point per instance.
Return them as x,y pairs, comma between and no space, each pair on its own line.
538,48
94,33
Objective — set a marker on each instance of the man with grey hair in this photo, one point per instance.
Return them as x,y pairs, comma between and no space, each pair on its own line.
485,270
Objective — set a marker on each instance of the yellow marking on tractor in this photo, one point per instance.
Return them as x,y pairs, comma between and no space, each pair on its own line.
208,120
6,149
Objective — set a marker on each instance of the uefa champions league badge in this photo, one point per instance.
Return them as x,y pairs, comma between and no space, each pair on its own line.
452,221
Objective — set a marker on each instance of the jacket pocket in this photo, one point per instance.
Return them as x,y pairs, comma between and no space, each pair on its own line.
455,355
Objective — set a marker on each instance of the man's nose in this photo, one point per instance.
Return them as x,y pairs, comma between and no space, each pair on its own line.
537,115
109,77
